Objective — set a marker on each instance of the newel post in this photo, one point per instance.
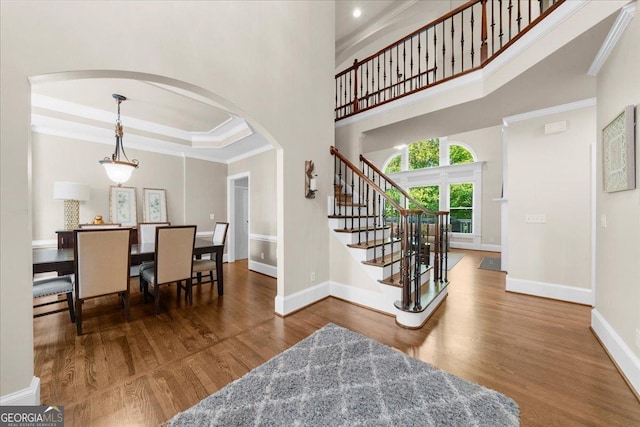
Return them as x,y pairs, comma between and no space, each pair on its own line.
355,86
483,35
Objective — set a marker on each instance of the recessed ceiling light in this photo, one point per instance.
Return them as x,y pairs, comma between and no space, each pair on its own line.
357,12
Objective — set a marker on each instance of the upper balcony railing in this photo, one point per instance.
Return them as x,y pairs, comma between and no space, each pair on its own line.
464,40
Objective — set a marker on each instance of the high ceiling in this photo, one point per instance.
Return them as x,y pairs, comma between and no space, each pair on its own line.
162,119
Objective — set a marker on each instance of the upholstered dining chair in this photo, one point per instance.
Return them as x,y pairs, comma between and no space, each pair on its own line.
102,260
147,231
51,286
173,262
146,236
208,266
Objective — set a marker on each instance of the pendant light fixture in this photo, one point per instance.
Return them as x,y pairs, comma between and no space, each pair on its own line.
119,171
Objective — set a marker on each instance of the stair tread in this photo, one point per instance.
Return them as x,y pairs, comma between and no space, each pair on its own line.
395,279
356,230
373,243
388,259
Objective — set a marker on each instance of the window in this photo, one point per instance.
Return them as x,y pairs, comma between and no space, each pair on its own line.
428,196
423,170
461,207
458,155
394,165
424,154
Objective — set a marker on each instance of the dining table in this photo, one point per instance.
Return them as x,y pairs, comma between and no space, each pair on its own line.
62,260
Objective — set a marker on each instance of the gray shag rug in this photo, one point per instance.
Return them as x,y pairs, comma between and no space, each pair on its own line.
337,377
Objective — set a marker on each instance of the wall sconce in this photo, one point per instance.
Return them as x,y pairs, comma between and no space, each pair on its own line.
310,183
72,193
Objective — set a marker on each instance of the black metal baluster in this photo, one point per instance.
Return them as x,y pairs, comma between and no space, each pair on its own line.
343,187
529,10
519,16
404,67
335,199
411,65
367,204
352,196
510,17
462,39
384,75
501,33
453,50
435,55
359,208
493,28
417,282
444,49
419,62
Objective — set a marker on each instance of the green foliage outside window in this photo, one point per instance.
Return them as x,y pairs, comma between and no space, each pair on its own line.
424,154
394,165
458,155
428,197
461,207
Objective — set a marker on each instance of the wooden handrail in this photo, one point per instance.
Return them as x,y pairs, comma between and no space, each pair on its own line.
400,189
333,150
389,73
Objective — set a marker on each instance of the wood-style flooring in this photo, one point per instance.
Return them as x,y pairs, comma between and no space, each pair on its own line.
539,352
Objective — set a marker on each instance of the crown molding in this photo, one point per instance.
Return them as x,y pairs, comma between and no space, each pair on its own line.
622,21
231,130
590,102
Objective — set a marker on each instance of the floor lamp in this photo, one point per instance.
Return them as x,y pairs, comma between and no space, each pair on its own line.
72,193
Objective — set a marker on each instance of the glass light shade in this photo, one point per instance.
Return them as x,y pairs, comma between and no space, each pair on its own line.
118,172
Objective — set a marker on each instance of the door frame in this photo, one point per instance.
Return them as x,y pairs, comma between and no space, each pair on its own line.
231,211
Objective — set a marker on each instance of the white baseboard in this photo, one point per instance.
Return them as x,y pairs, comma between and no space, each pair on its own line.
29,396
301,299
225,258
371,299
550,290
267,269
624,357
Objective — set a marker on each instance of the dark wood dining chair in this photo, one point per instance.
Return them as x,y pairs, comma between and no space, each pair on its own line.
102,261
173,262
208,266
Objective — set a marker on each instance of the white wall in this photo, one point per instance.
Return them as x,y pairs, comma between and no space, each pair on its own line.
551,175
618,250
263,216
219,50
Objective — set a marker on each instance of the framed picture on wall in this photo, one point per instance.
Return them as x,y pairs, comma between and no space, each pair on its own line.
618,155
122,206
155,205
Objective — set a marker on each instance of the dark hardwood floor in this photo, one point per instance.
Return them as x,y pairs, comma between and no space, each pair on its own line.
539,352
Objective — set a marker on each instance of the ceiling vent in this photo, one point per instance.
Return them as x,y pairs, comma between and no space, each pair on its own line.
555,127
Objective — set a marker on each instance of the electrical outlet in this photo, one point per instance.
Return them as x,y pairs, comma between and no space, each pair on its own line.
535,218
211,217
313,276
603,220
261,255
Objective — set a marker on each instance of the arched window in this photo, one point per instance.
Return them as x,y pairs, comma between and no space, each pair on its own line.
394,165
439,190
424,154
459,155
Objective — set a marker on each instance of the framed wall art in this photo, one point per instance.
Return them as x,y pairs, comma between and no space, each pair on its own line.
122,206
618,146
155,205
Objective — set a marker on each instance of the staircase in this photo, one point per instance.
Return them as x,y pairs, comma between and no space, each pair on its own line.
386,231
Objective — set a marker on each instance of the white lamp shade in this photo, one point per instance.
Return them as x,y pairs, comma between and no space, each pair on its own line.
118,172
70,191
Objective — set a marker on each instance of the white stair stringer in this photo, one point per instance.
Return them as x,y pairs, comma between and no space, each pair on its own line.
386,295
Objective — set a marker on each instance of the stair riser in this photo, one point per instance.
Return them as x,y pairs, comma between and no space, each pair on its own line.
424,280
388,249
337,223
367,254
350,210
378,235
386,271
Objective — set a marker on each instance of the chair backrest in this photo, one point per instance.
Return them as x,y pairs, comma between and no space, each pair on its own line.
220,233
174,253
100,226
102,260
147,231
